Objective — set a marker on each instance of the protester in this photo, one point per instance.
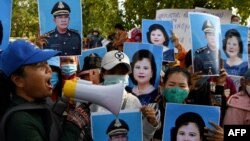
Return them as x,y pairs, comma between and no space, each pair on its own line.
229,86
180,56
69,67
29,84
115,69
86,42
176,89
69,72
96,39
120,37
56,77
238,112
91,68
134,35
235,19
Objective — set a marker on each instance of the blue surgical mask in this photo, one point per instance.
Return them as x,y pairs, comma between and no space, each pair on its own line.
175,95
54,79
68,69
115,79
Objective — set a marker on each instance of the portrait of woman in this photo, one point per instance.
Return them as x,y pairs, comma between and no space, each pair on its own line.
233,48
157,35
143,76
188,126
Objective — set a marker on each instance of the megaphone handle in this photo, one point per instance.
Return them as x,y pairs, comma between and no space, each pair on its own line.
124,103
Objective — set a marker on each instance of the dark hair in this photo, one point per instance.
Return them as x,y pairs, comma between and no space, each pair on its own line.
92,61
162,29
1,32
173,70
233,16
7,88
185,119
233,33
119,26
138,56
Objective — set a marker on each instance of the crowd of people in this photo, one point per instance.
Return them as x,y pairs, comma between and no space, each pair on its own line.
35,77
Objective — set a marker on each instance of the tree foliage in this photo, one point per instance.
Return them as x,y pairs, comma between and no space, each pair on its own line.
104,14
24,22
100,15
136,10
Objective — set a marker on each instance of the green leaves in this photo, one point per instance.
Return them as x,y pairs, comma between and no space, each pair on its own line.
24,18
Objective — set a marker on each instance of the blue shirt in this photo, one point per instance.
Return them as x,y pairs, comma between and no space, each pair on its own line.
239,70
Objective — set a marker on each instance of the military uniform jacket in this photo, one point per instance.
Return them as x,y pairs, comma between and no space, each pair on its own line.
206,61
68,43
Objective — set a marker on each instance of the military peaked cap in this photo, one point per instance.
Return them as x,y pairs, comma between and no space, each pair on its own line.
60,8
208,26
117,126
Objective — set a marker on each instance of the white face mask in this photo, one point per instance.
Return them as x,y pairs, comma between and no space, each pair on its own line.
248,89
115,79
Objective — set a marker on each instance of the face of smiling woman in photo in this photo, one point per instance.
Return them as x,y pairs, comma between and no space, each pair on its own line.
157,37
189,132
142,71
232,47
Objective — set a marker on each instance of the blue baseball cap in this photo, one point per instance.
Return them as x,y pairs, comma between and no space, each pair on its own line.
22,52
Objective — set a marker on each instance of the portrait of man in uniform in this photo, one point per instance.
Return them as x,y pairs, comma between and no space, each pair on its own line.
126,127
118,130
62,38
206,58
